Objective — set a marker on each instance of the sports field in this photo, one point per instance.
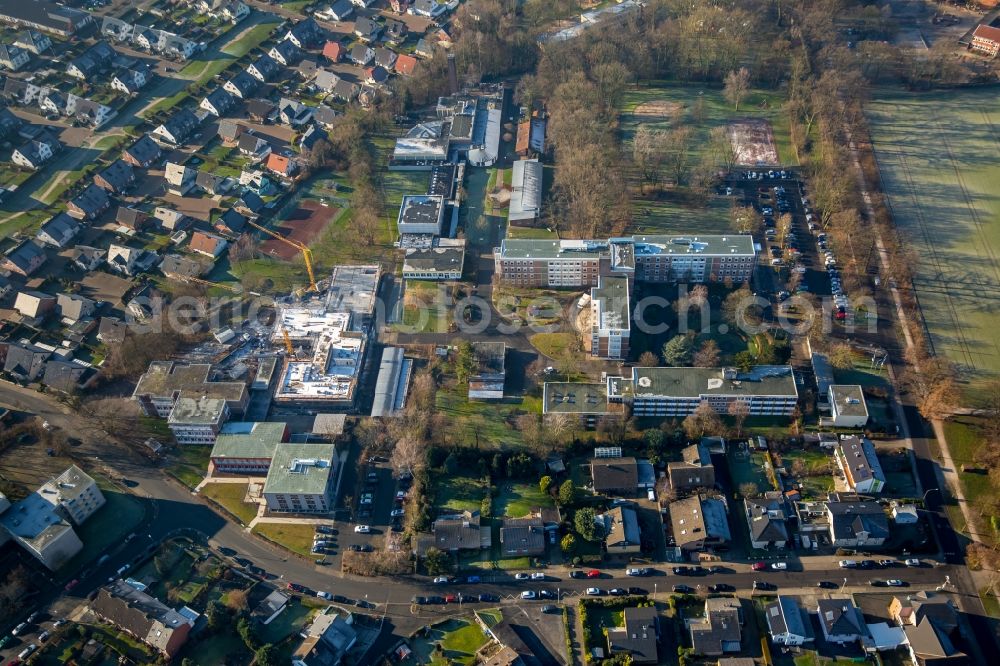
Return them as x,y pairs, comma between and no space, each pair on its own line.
938,158
665,105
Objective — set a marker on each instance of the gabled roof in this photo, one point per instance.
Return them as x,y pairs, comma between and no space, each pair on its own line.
118,175
361,53
614,473
766,518
245,83
92,200
252,201
333,50
25,254
366,27
145,150
260,108
840,617
405,64
221,100
229,129
267,66
287,50
60,228
987,32
181,124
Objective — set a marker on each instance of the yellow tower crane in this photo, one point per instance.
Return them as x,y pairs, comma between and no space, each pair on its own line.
288,342
306,252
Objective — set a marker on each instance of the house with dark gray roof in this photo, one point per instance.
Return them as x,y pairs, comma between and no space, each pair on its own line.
178,127
699,523
261,110
68,377
91,63
285,53
841,621
142,616
522,536
366,29
59,231
788,622
88,258
217,102
13,57
346,91
637,636
855,522
615,476
143,153
622,535
243,85
251,203
117,177
131,218
767,520
306,34
720,630
34,41
362,55
264,68
9,123
229,130
231,222
24,258
456,532
25,362
89,204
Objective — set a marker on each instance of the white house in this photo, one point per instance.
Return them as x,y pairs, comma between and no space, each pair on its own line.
847,406
859,463
32,155
180,179
13,57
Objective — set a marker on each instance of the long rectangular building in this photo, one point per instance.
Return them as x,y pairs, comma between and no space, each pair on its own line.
610,310
658,259
768,390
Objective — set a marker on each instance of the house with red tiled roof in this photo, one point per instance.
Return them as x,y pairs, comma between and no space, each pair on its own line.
333,51
405,64
986,39
281,164
208,244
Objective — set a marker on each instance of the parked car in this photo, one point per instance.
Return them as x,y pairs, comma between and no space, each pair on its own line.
577,574
546,594
759,566
594,591
295,587
362,529
472,579
529,595
521,576
549,608
637,590
639,571
488,598
913,562
397,512
722,587
442,580
848,564
538,575
593,573
325,595
419,601
683,589
827,585
764,585
617,592
895,582
779,566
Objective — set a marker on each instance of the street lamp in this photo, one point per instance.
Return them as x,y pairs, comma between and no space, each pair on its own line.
927,492
654,590
845,583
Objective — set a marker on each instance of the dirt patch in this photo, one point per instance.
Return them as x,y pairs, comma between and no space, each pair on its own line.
304,225
753,142
659,108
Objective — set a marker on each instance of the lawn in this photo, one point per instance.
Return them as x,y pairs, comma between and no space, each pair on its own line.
936,153
291,621
553,345
249,39
516,499
666,214
488,423
531,233
964,440
230,497
816,479
459,493
424,309
459,641
747,469
296,538
22,221
190,464
990,603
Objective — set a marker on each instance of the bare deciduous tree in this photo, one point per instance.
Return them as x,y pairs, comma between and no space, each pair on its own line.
737,87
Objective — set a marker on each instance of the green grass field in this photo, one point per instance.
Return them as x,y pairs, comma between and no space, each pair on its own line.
296,538
230,496
516,499
937,155
670,216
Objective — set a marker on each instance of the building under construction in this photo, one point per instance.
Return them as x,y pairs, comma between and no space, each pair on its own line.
326,341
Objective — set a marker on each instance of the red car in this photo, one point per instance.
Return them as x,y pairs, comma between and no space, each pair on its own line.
759,566
70,585
593,573
296,587
450,598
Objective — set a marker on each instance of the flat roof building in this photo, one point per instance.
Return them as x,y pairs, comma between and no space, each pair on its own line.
74,492
39,527
847,406
354,289
197,419
246,447
161,385
526,192
421,214
487,379
391,385
610,322
302,479
443,260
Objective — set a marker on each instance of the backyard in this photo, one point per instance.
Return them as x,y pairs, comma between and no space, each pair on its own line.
493,423
936,157
450,642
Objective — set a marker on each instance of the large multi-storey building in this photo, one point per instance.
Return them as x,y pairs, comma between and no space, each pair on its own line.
767,390
302,479
75,492
610,314
197,420
581,263
246,447
165,381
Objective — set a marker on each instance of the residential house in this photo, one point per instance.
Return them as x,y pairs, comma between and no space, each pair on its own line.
68,377
986,39
405,64
858,462
207,244
326,641
255,181
74,307
719,631
855,523
243,85
285,53
428,8
424,48
395,31
326,80
847,406
453,533
253,146
261,111
178,128
364,4
399,6
367,29
116,178
622,535
170,219
13,57
218,102
22,92
212,184
293,112
34,304
362,55
24,258
250,203
376,76
346,91
694,470
264,68
340,10
32,154
385,58
53,102
5,287
310,137
141,616
111,330
305,34
615,476
59,231
89,203
638,635
132,79
522,536
788,622
930,624
767,518
94,61
184,267
88,258
143,153
123,259
699,523
229,131
333,51
34,41
325,116
180,179
231,222
234,11
131,218
25,362
270,608
88,112
841,621
9,123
